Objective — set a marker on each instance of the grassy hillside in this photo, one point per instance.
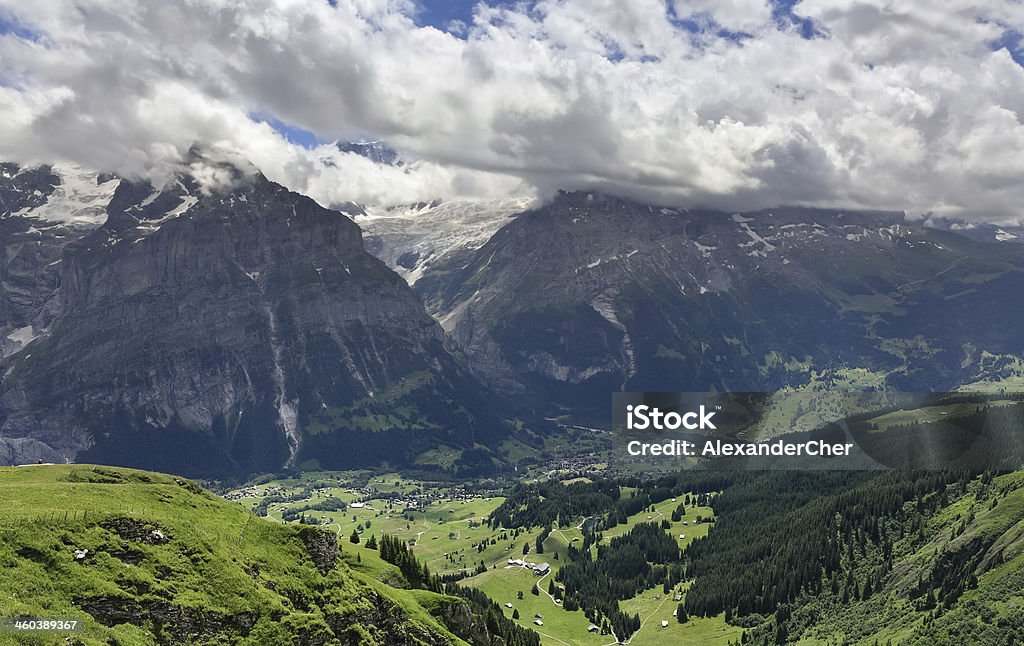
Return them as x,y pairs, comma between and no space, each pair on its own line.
946,568
960,580
144,558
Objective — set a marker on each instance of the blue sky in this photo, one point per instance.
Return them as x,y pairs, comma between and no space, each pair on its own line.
10,25
439,13
292,133
1014,42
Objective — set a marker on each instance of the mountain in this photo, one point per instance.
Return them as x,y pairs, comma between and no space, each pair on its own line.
376,151
980,231
41,210
139,558
223,331
592,294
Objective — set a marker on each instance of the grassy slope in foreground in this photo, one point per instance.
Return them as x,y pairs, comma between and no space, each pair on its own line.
970,536
169,562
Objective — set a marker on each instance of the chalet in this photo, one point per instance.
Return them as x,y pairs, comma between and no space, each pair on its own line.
541,568
592,628
664,623
538,622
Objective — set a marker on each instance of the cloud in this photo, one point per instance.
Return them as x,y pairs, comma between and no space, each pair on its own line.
725,104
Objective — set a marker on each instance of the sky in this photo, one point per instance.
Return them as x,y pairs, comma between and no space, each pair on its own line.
735,105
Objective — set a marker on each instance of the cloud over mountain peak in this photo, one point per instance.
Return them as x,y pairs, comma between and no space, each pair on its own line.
733,105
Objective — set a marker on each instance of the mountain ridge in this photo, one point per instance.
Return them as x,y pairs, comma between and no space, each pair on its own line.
241,330
591,294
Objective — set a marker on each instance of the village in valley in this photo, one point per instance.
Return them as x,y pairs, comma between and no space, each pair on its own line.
447,527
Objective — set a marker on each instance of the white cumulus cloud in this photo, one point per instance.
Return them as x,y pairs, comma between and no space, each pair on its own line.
731,104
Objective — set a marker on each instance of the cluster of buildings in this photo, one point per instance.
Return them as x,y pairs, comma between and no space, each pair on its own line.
538,568
254,492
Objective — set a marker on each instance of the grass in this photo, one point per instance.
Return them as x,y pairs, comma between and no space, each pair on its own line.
653,607
445,530
663,511
933,413
892,616
503,584
219,567
560,627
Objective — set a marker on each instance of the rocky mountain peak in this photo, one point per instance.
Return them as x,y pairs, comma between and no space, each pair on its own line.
376,151
237,329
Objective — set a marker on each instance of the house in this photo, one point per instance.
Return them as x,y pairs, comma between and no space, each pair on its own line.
538,616
541,568
508,605
664,623
538,622
592,628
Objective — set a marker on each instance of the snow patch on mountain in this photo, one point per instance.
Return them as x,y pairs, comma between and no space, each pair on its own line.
604,305
16,340
80,200
755,238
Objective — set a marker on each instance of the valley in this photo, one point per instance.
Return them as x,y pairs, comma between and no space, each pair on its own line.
948,547
449,532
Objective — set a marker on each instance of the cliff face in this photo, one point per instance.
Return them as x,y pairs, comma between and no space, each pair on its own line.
241,330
